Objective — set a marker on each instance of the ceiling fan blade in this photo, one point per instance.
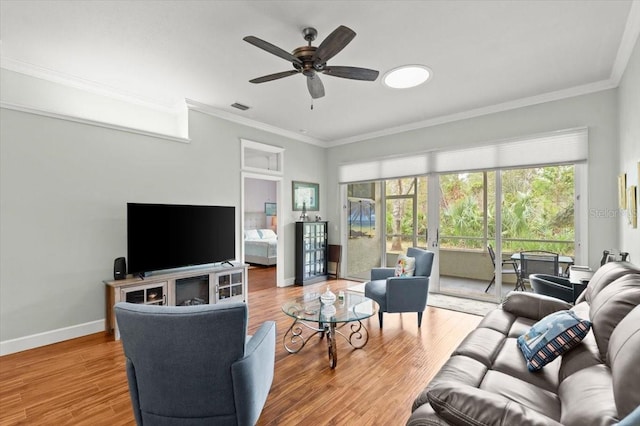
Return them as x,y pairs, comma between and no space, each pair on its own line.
275,50
333,44
353,73
275,76
315,86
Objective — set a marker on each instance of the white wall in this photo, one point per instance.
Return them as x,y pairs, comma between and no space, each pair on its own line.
257,192
63,193
64,188
596,111
629,112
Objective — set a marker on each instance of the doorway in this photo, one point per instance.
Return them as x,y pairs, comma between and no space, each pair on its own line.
261,231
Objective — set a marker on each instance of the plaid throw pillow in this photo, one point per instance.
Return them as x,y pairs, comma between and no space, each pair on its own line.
552,336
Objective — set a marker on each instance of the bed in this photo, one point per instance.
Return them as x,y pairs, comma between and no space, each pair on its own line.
260,246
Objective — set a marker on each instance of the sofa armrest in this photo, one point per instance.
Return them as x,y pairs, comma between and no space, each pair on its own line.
466,405
253,373
531,305
382,273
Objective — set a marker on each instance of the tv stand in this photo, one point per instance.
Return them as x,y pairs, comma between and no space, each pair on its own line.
226,282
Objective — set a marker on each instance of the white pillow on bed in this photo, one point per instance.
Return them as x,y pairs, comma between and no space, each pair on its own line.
267,234
251,234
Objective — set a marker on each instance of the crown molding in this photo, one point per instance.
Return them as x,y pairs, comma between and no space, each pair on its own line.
215,112
87,85
629,39
88,122
628,42
478,112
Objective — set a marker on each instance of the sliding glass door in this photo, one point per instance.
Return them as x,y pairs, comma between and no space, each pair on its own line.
364,229
536,211
406,215
476,222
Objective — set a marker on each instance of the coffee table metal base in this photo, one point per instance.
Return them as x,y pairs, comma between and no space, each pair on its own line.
294,339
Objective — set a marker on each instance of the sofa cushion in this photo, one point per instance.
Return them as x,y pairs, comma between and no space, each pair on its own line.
466,405
551,337
605,275
498,320
587,398
610,305
482,344
458,369
582,356
623,355
524,393
510,361
534,306
520,326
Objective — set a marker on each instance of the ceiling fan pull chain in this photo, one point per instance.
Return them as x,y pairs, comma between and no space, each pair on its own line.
311,104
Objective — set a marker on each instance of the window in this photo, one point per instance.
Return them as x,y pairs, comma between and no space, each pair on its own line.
462,210
259,157
538,209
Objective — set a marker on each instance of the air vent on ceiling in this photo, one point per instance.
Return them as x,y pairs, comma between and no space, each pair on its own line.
239,106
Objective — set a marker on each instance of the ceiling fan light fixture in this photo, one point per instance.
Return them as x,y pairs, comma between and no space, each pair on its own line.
407,76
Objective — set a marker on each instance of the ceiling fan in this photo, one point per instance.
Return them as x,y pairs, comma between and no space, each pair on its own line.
310,60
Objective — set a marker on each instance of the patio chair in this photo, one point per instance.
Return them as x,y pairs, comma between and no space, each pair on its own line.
538,262
558,287
512,269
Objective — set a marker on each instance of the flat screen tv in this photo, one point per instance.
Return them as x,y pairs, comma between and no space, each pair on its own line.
168,236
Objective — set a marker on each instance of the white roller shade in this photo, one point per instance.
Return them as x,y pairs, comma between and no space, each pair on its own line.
568,146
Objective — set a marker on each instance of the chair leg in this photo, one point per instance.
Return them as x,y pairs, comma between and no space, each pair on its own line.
380,318
419,319
493,280
520,284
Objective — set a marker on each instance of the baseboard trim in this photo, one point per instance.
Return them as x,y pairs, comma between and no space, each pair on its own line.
49,337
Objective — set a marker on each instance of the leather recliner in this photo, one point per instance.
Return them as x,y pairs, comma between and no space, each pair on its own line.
486,380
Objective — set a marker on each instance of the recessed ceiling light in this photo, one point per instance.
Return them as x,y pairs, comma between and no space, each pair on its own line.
407,76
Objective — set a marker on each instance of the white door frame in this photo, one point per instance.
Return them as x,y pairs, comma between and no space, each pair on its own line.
433,228
279,212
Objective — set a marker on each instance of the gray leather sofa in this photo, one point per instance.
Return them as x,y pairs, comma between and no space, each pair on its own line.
486,380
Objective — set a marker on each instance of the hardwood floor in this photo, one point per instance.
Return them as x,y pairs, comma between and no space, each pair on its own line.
83,381
261,278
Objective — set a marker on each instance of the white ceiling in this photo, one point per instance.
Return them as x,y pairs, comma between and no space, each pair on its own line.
485,55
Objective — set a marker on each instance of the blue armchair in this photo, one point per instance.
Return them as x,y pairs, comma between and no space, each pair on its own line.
402,294
195,365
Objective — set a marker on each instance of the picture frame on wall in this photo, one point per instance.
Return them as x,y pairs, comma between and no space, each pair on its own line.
270,209
622,191
305,194
632,209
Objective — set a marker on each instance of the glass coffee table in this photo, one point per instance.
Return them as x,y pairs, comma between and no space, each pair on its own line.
311,317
